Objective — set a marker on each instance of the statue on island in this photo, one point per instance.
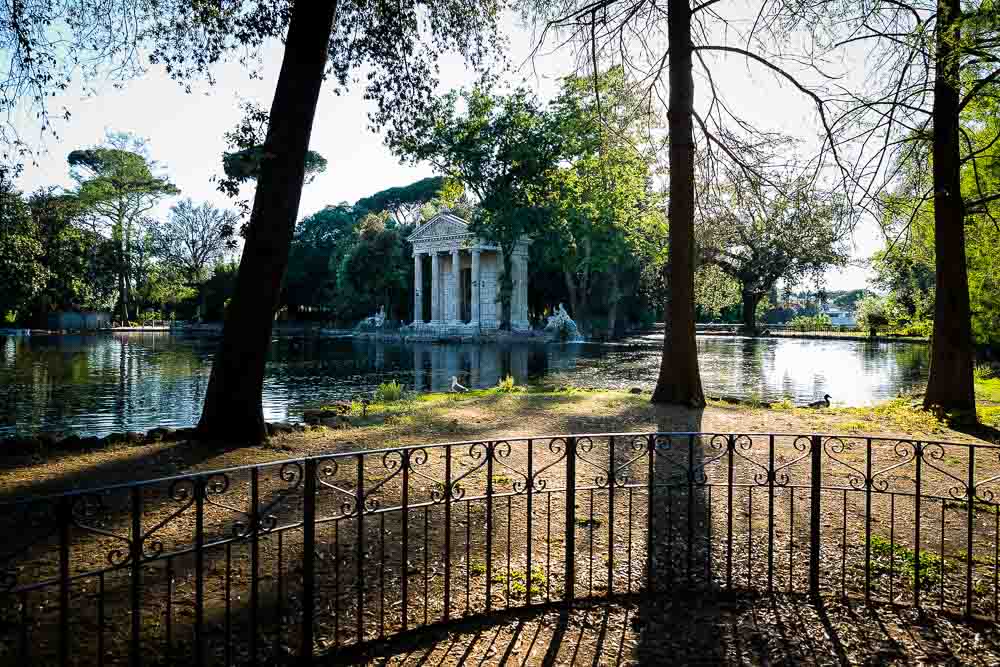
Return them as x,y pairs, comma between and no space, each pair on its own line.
561,326
375,321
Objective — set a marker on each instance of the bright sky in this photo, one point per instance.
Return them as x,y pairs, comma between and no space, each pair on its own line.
185,130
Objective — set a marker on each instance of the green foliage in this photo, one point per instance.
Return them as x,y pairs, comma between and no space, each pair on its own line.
819,322
507,385
388,392
983,372
22,275
903,562
759,233
405,203
715,290
501,147
874,312
375,271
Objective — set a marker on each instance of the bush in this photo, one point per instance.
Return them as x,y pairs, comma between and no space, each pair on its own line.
507,385
388,392
819,322
920,329
983,372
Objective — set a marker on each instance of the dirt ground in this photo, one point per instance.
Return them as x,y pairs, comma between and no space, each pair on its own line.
779,630
447,418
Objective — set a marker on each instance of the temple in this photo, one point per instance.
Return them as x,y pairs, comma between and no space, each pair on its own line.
457,276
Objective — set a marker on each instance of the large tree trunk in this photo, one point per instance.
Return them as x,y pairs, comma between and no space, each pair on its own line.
950,384
750,301
679,381
232,411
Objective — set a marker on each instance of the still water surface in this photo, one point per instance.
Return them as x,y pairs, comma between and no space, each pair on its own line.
95,385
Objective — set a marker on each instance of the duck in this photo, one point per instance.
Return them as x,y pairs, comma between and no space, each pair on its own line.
822,403
455,386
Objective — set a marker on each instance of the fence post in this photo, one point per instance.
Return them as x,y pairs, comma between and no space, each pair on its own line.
816,484
569,586
308,559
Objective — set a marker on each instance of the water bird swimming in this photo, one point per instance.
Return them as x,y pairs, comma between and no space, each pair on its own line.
455,386
823,403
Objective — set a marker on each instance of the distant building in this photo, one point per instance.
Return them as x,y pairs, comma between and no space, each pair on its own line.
82,321
461,292
839,317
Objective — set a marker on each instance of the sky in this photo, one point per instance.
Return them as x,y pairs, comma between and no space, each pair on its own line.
185,129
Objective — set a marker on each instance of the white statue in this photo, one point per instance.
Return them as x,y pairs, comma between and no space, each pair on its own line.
561,325
375,321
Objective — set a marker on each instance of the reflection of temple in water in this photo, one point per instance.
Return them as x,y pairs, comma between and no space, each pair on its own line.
475,366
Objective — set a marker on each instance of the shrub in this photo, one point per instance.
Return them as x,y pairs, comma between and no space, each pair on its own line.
507,385
388,392
820,322
983,372
920,329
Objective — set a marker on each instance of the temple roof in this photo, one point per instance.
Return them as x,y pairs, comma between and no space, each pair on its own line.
442,225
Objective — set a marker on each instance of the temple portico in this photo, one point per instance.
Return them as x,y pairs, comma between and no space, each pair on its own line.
457,278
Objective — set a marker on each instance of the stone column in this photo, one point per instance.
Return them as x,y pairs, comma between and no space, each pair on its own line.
418,284
456,284
475,287
435,288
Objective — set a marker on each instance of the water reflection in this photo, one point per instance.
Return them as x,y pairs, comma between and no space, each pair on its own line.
103,383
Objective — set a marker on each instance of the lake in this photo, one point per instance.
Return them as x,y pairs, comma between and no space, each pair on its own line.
98,384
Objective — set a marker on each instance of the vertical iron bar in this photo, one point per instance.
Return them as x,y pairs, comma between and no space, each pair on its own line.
530,519
670,533
791,540
228,651
381,575
199,571
730,447
941,572
336,582
426,550
468,564
405,556
611,515
279,609
135,585
254,559
689,551
816,480
507,602
919,455
996,562
629,557
843,551
100,621
749,535
360,554
650,541
489,526
308,559
569,589
447,531
23,640
892,547
970,495
63,517
770,514
708,540
170,607
548,546
868,520
590,547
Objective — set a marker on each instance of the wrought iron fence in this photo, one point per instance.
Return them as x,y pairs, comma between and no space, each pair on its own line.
297,557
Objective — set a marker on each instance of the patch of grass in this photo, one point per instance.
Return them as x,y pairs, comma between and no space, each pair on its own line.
988,389
900,414
500,480
754,401
989,415
783,404
508,386
519,582
854,426
585,522
389,392
903,561
477,568
978,508
983,372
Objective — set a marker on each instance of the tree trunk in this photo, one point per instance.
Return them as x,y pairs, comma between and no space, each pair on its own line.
613,303
679,381
574,300
950,383
750,301
232,410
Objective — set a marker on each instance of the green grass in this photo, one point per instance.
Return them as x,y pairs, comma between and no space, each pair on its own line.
519,581
988,389
389,392
477,568
978,508
904,561
585,522
508,386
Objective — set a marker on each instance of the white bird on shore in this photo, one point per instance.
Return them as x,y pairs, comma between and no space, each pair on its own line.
455,386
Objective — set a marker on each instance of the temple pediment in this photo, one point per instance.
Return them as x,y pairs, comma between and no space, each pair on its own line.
441,226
